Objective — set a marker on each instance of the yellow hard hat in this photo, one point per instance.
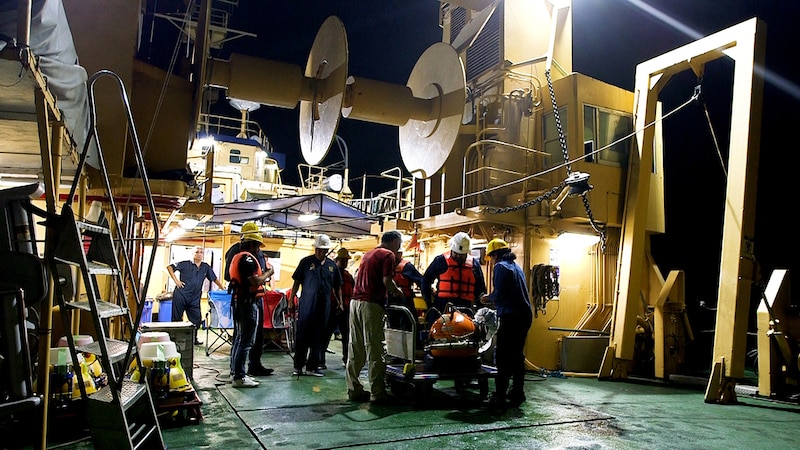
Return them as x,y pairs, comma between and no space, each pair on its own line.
253,237
494,245
342,254
249,227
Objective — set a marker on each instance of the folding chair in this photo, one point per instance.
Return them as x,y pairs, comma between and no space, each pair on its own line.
277,321
219,321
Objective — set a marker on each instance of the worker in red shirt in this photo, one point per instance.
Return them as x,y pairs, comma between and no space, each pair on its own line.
375,280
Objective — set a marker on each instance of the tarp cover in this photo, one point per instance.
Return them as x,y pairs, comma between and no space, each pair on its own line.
336,219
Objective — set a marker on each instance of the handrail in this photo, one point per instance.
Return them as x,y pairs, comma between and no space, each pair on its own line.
315,178
400,206
216,124
478,146
140,165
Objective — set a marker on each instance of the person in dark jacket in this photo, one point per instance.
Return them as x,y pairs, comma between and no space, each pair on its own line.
405,277
319,280
189,288
510,298
255,367
348,284
458,276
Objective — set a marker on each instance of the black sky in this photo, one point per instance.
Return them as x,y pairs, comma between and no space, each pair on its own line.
610,37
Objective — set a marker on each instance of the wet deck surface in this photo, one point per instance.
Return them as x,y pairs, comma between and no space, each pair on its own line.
561,413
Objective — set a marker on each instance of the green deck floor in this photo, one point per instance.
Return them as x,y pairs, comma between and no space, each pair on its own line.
561,413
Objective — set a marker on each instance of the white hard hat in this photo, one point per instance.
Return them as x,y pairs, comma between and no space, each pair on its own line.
460,243
322,241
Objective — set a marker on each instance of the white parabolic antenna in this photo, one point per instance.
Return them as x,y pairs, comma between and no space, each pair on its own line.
327,68
428,110
426,142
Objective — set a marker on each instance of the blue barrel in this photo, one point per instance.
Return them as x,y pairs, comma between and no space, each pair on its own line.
147,311
165,311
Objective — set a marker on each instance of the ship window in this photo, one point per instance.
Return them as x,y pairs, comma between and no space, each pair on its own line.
237,158
601,127
551,143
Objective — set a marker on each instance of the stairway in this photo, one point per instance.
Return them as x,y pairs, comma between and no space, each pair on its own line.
120,412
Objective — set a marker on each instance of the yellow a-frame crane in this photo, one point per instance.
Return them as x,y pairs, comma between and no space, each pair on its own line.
745,45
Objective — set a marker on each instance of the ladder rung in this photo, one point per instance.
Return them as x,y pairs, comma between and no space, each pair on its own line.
92,228
62,260
130,393
93,267
116,349
140,433
96,268
104,309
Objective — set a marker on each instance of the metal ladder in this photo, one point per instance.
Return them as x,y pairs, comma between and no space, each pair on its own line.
121,414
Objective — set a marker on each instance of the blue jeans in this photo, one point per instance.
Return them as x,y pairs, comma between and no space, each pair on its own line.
246,321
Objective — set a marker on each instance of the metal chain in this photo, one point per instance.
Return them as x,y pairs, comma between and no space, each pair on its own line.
539,199
595,227
561,138
563,141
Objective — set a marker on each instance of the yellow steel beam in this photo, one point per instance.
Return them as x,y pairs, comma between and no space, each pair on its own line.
775,358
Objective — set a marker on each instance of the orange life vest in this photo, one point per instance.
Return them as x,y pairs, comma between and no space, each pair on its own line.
403,283
457,281
233,271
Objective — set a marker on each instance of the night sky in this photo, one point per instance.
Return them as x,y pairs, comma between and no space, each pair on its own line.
610,38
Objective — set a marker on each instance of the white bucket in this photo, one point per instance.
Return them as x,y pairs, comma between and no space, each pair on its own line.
79,339
162,351
152,336
60,356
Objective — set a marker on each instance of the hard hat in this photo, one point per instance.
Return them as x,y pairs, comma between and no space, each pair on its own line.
253,237
460,243
249,227
494,245
322,241
342,254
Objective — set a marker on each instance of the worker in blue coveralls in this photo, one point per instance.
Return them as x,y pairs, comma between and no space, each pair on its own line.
320,282
189,288
510,299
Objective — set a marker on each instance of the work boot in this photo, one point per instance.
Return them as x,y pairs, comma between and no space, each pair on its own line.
260,371
497,401
515,399
362,396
